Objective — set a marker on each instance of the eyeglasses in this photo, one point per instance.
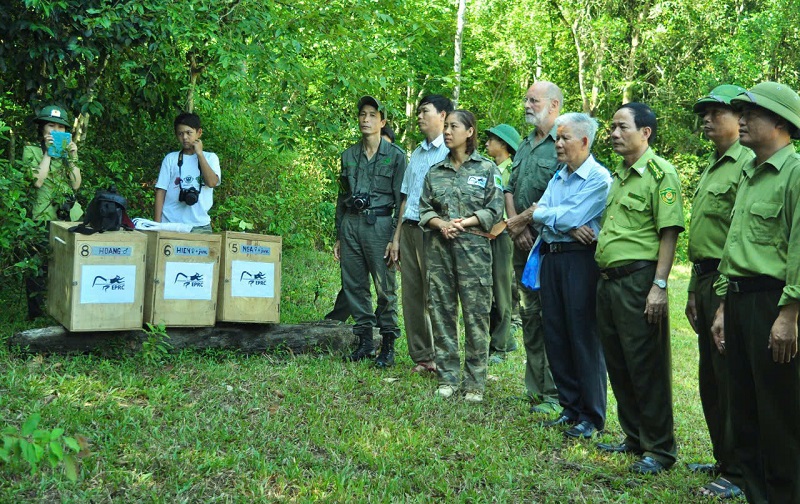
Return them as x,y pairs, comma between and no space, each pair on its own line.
532,101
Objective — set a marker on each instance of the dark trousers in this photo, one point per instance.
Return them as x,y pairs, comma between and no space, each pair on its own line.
341,310
502,339
638,363
713,380
569,282
765,400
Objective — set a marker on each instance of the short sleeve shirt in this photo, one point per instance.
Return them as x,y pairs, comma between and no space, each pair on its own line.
55,188
643,200
424,156
172,178
534,165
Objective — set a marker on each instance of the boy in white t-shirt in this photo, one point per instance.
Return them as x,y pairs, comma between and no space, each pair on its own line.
185,187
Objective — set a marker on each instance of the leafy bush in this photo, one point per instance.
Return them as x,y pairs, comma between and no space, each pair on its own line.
32,445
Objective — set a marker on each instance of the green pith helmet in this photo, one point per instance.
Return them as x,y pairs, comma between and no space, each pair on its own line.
506,133
53,114
775,97
720,95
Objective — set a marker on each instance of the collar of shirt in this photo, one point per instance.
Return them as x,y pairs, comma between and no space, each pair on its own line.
475,156
437,142
776,160
583,170
505,165
639,166
733,153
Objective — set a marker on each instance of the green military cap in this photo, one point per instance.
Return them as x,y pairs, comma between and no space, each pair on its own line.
720,95
775,97
53,114
370,100
506,133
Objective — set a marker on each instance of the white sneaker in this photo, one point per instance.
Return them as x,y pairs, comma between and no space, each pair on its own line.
446,391
473,397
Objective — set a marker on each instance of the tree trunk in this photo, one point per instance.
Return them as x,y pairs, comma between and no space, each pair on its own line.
462,8
82,121
246,338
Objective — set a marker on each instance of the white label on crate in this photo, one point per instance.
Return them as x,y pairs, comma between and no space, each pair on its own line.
107,250
108,283
256,250
184,280
185,250
252,279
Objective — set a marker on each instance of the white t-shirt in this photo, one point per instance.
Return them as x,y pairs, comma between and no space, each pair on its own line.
169,179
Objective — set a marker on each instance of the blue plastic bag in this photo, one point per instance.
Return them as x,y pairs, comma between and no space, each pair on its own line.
530,275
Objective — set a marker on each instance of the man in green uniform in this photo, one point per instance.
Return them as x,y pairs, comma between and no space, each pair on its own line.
711,218
501,144
635,250
366,216
760,283
534,165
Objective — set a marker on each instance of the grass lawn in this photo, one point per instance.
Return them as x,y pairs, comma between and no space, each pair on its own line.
224,427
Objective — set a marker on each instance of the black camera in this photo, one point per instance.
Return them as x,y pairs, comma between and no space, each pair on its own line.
189,196
63,210
361,201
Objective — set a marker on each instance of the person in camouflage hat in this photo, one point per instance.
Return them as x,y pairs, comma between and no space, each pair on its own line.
756,324
461,201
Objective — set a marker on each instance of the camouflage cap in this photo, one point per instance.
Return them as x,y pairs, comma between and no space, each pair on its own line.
370,100
506,133
720,95
53,114
775,97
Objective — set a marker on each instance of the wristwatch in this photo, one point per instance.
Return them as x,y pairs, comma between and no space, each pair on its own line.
661,284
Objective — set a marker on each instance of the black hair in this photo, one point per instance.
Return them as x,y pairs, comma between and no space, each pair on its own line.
187,119
388,131
439,102
643,116
467,118
510,149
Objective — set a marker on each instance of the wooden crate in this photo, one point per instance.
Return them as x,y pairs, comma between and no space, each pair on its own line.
96,282
250,278
182,279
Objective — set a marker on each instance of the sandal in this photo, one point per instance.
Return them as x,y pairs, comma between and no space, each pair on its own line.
711,469
721,488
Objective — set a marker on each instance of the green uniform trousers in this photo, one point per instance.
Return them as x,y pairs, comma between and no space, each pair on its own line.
502,339
414,275
638,362
362,248
765,400
713,381
539,383
460,269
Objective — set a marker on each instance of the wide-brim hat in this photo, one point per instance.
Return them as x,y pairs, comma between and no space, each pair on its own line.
720,95
53,114
506,133
371,100
775,97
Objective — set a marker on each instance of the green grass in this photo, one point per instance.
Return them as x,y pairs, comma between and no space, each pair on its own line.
224,427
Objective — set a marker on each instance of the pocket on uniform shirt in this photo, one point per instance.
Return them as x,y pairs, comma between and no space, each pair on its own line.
383,183
634,213
720,200
764,222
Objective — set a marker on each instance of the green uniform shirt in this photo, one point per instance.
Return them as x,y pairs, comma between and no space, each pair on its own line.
55,188
764,237
380,177
473,189
713,203
505,174
643,200
534,165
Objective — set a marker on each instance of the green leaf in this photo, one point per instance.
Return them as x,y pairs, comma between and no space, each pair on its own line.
71,468
57,432
30,424
57,449
72,444
28,453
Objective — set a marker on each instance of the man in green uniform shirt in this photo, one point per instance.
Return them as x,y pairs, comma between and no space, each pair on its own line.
711,218
366,216
534,165
635,250
756,325
501,144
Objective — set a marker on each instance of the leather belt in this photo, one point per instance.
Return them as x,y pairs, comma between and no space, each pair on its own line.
411,222
705,267
743,285
623,271
558,247
377,212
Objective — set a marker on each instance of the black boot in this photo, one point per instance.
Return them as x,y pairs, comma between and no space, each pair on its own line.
364,350
386,357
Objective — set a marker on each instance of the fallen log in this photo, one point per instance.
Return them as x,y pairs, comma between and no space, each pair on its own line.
318,337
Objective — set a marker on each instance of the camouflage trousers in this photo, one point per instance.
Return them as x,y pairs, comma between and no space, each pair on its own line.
460,269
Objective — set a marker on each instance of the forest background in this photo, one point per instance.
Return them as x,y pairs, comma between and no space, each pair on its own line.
276,84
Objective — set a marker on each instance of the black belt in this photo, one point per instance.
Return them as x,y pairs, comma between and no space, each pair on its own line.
411,222
705,267
557,247
743,285
377,212
623,271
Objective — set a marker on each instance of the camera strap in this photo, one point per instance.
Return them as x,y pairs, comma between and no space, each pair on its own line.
180,170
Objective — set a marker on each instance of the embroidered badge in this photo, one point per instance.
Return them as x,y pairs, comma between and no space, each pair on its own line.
498,182
657,172
669,195
478,181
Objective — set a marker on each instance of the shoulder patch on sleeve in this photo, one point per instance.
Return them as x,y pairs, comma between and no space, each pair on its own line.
669,195
498,181
657,172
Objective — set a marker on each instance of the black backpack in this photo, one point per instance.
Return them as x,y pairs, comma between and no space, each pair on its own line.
106,212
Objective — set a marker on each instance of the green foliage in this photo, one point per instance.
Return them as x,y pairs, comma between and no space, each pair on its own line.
156,347
31,445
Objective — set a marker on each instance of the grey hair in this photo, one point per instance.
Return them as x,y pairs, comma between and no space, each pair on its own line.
584,124
554,93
